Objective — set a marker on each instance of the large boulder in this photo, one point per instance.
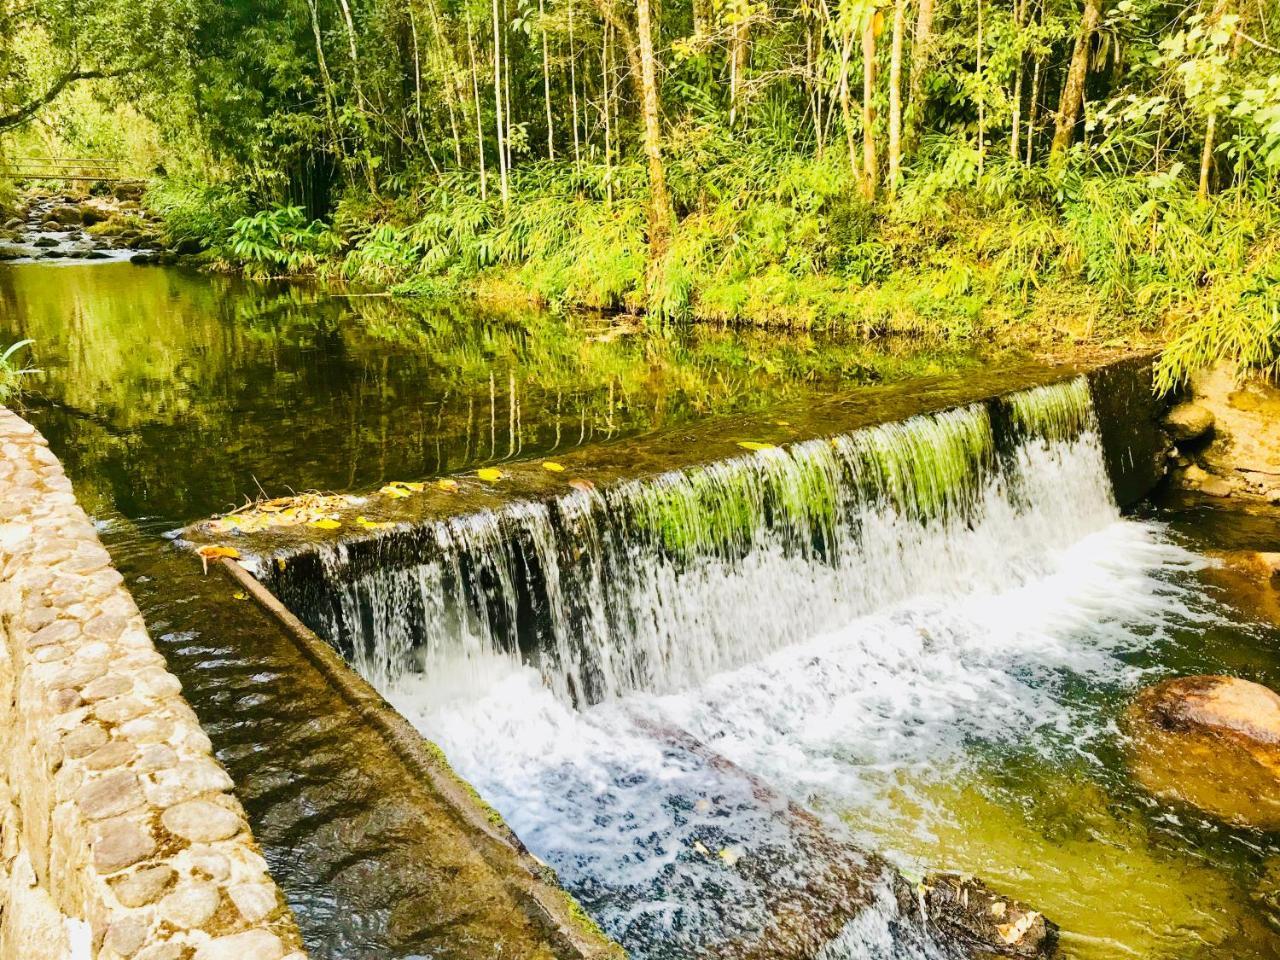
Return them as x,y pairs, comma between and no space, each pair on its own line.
1213,743
1188,421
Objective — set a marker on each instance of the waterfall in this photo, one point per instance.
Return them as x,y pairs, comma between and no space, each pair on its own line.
819,615
657,583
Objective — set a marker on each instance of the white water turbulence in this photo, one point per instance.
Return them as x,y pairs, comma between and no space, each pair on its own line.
646,682
659,583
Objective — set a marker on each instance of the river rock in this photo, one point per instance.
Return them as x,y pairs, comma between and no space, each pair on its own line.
969,913
45,242
1188,421
1210,742
1217,487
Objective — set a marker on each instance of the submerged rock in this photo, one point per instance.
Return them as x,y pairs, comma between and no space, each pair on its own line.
1211,742
970,914
1188,421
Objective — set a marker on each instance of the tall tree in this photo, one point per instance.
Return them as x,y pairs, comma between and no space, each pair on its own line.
895,95
1072,98
659,200
870,166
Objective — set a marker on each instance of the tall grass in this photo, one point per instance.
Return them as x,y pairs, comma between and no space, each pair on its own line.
767,236
12,373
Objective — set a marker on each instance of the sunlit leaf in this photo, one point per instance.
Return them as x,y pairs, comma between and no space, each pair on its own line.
755,445
240,595
553,466
448,484
489,474
326,523
217,553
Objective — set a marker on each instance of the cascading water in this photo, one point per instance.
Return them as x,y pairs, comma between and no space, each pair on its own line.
836,617
657,583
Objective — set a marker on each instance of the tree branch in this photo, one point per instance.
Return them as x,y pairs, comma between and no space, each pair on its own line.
74,75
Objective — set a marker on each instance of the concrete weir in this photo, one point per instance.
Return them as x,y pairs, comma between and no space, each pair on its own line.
535,560
120,836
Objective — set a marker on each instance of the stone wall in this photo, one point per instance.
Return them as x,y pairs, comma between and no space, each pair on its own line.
119,834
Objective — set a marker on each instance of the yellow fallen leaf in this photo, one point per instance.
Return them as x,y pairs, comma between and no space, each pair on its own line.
699,848
240,595
755,445
394,492
448,484
553,466
326,523
730,855
217,553
370,524
489,474
210,552
783,423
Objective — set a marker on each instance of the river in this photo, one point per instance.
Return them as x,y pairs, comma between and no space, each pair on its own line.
961,715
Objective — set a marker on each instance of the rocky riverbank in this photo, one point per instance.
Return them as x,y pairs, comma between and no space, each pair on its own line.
1227,437
70,228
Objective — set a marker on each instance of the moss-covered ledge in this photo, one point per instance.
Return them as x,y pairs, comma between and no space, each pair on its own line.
119,834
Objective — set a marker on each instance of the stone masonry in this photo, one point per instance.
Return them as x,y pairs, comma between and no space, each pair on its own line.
119,834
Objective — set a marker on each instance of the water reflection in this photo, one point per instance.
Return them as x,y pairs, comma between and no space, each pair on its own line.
187,393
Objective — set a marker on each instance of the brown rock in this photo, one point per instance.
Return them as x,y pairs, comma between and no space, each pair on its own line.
83,740
59,631
121,843
127,935
112,685
143,886
119,709
255,901
110,796
1213,743
189,905
164,951
1216,487
250,945
117,753
201,821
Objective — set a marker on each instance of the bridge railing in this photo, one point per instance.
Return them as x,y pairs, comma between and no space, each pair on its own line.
74,169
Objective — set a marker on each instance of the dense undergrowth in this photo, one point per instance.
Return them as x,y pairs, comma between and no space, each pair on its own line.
770,238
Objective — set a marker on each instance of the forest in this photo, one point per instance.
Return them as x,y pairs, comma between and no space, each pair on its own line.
1050,171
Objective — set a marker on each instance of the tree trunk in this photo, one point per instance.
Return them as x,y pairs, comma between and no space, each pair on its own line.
573,88
1033,110
546,83
870,167
475,91
659,202
919,61
1015,127
326,81
895,95
982,101
1073,87
608,121
499,124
